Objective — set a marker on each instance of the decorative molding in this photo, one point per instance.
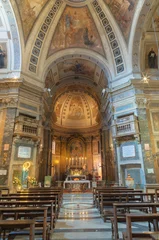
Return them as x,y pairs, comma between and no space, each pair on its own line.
41,36
118,59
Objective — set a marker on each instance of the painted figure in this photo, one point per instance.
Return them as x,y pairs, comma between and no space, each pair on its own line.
2,56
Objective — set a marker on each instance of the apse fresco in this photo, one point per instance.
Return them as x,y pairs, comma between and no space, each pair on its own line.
123,11
76,28
29,11
76,67
76,110
58,106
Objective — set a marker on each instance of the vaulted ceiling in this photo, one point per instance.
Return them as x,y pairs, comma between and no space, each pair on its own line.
81,47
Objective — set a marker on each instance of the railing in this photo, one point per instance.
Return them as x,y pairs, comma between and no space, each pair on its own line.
27,126
125,126
30,130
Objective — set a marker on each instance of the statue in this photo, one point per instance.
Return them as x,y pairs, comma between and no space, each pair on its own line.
25,172
152,59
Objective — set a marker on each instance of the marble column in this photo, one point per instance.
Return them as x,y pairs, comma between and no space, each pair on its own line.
145,138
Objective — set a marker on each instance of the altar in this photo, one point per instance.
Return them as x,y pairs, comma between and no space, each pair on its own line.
76,184
76,180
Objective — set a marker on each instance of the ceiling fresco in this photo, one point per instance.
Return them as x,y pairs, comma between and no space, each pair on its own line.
76,28
123,11
76,110
29,11
76,67
155,25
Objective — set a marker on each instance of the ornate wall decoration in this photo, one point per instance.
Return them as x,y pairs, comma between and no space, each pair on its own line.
76,28
123,11
41,36
118,59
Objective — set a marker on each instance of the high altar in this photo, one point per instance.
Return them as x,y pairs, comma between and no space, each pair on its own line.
76,181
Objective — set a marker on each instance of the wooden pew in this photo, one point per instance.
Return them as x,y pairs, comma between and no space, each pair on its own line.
11,225
128,207
48,203
57,193
33,198
107,199
140,218
25,212
98,195
108,189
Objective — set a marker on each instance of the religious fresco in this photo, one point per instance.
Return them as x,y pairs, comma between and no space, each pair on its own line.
29,11
76,148
3,55
151,56
155,24
76,66
76,109
94,109
58,106
123,11
76,28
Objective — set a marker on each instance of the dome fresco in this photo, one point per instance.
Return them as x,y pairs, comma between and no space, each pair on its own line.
76,109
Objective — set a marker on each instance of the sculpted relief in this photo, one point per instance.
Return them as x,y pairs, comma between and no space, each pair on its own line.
29,11
76,28
123,11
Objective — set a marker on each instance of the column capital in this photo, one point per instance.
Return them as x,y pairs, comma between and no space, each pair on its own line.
142,102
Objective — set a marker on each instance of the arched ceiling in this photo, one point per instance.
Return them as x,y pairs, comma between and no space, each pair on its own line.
76,69
109,29
102,27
